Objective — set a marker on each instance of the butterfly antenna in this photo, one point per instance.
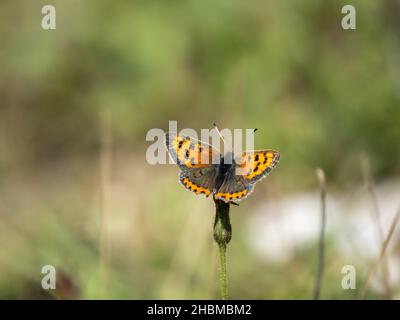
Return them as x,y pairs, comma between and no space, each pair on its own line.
255,130
216,128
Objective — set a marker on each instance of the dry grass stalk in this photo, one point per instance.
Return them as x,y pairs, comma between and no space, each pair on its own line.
384,246
105,197
370,186
321,251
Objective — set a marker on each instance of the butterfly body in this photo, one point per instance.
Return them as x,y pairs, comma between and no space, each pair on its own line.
223,169
205,171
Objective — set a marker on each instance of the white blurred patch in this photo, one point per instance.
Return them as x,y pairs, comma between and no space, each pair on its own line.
282,225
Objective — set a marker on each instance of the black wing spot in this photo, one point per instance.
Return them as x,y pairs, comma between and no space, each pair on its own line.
187,154
256,158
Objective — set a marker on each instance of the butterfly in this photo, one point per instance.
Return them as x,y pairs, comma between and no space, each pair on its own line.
205,171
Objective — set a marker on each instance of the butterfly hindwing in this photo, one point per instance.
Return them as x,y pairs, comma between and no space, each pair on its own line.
199,180
234,188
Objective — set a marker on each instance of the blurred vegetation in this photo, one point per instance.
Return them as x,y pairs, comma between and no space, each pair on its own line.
319,94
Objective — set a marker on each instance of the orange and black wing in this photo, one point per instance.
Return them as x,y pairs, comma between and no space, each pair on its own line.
199,180
188,152
234,188
250,168
195,159
256,165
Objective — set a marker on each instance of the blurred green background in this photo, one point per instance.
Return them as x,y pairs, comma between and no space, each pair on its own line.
76,103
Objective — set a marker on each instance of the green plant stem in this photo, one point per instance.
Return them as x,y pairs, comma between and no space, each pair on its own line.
222,276
222,236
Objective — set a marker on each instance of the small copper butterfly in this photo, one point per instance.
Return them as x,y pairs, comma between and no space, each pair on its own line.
202,175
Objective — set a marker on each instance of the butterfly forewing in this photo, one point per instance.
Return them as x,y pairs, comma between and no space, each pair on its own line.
255,165
188,152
